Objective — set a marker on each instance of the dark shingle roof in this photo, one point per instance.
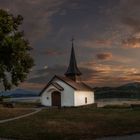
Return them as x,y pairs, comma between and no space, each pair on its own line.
75,85
79,86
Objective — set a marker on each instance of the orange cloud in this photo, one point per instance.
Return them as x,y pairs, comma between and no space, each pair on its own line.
104,56
132,42
53,52
94,74
92,43
111,80
32,86
109,75
106,42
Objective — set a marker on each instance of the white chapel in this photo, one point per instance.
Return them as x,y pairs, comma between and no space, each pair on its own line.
67,90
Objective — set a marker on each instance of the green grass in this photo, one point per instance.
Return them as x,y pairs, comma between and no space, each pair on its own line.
73,124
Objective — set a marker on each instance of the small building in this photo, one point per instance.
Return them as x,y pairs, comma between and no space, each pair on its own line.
68,90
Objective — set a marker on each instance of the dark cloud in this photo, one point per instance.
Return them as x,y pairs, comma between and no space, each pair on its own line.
133,41
104,56
127,6
37,15
133,23
32,86
52,52
129,15
39,79
44,75
100,26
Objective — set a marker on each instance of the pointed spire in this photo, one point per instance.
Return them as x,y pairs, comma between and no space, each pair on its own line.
72,40
72,70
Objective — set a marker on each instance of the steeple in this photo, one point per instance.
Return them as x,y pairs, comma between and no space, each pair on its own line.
73,71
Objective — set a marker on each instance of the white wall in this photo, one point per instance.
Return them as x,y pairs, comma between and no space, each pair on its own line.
79,97
67,95
46,96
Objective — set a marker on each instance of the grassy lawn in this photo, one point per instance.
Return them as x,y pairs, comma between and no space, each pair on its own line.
73,124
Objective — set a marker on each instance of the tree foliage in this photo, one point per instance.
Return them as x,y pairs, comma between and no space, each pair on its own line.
15,58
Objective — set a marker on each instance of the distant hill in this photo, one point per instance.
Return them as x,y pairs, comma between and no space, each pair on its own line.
19,93
134,86
130,90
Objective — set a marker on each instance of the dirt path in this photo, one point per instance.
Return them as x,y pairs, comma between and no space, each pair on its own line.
22,116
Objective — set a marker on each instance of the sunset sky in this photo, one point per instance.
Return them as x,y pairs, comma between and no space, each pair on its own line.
106,32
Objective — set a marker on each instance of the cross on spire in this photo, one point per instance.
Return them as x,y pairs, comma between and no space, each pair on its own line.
72,40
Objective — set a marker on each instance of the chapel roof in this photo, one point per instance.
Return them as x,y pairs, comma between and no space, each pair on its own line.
75,85
79,86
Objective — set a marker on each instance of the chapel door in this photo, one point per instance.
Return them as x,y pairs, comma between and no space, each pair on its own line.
56,98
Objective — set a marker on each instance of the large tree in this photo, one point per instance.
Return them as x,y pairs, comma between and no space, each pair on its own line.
15,58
